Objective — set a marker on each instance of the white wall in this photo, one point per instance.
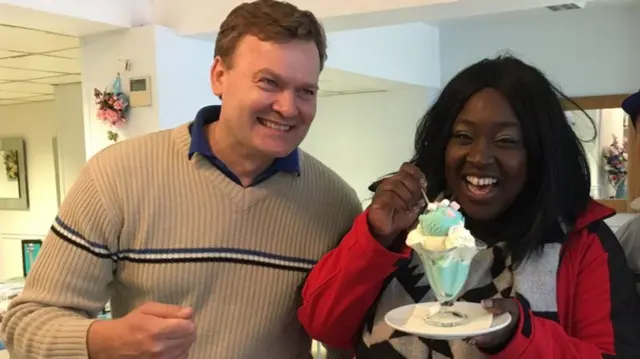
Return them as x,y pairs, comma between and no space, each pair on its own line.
33,122
101,63
586,52
389,52
178,69
183,65
363,137
70,127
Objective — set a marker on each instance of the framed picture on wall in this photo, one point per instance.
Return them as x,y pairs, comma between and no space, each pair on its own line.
30,250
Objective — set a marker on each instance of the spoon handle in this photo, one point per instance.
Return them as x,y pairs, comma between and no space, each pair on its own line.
428,206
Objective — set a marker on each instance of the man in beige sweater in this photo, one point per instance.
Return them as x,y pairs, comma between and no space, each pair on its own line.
200,236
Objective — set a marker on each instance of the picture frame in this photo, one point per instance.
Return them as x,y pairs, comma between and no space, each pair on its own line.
30,250
14,168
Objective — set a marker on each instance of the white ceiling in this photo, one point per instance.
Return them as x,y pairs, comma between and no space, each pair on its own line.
592,7
32,62
337,82
29,14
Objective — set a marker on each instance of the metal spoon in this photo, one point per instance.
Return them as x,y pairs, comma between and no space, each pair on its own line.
428,206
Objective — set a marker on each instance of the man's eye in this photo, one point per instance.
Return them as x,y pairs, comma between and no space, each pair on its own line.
269,82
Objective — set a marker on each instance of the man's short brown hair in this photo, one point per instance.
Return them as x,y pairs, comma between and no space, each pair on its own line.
272,21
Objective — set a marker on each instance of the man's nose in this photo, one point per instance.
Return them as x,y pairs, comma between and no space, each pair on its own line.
285,104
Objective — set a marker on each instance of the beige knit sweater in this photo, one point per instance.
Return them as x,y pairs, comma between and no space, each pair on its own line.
145,223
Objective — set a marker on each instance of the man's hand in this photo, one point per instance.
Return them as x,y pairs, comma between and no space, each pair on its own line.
396,204
151,331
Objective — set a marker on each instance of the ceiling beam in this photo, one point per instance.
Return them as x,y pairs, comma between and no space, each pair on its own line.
49,53
37,30
44,71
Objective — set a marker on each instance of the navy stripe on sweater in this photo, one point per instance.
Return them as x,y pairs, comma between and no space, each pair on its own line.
182,255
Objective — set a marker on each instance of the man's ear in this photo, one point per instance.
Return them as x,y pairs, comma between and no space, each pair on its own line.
218,76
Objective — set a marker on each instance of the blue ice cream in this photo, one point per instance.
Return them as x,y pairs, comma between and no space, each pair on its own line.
440,219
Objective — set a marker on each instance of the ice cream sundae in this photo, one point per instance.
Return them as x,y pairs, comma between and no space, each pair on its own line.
446,249
441,228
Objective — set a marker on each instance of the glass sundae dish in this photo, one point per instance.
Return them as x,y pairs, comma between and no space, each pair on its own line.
446,249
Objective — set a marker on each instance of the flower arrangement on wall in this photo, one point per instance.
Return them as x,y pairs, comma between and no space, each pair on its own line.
10,159
112,108
615,163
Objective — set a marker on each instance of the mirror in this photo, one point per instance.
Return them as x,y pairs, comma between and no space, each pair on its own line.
13,175
612,161
607,152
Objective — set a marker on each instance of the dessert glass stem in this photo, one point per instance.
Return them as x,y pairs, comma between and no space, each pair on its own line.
444,315
447,274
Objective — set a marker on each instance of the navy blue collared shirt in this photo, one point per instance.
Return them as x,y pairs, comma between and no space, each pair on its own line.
200,144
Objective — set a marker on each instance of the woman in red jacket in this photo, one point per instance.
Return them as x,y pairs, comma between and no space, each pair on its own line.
497,140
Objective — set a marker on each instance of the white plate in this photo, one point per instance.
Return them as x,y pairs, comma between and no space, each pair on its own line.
410,319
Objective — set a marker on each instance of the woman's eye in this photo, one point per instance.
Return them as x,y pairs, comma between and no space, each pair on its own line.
462,136
508,140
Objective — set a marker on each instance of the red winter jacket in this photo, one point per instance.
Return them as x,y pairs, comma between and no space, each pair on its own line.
598,306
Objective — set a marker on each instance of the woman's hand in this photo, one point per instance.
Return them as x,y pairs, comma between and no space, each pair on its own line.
500,339
396,204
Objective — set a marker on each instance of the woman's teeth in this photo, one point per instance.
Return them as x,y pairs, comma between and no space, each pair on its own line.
481,181
480,186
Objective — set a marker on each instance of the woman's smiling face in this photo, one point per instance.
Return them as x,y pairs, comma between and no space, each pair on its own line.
485,160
